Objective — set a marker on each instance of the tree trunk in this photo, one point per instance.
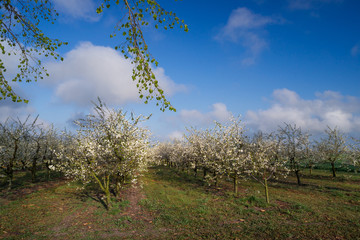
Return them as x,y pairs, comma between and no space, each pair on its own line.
236,185
10,167
105,186
266,191
205,173
47,165
119,182
23,163
118,189
33,169
333,169
10,173
216,179
48,174
107,198
107,192
297,173
34,163
196,171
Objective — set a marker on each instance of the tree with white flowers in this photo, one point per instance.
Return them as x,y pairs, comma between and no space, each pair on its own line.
50,144
295,147
266,160
213,153
162,153
231,149
355,152
332,148
109,148
13,134
181,155
220,150
36,150
199,144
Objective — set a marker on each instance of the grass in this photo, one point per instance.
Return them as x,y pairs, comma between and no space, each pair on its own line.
176,205
298,212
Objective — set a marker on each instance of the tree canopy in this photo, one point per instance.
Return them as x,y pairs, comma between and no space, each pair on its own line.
21,35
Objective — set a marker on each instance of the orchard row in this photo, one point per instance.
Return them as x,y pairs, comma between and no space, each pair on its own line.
226,151
110,147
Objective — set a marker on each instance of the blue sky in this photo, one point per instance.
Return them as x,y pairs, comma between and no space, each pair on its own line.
294,61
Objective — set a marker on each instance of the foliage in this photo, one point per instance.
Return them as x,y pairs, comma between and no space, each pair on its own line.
21,37
130,26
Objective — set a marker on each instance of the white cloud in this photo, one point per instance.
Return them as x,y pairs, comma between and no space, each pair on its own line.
10,62
89,71
78,9
329,108
176,135
219,112
247,28
243,18
173,127
10,109
355,50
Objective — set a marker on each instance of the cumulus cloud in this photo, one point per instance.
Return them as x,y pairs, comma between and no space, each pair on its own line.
173,127
90,71
327,109
78,9
10,62
247,28
9,109
309,4
219,112
74,117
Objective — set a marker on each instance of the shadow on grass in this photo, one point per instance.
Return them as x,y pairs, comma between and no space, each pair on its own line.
176,177
22,184
97,197
22,178
89,192
322,188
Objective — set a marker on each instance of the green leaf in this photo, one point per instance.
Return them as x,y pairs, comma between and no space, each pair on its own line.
99,10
